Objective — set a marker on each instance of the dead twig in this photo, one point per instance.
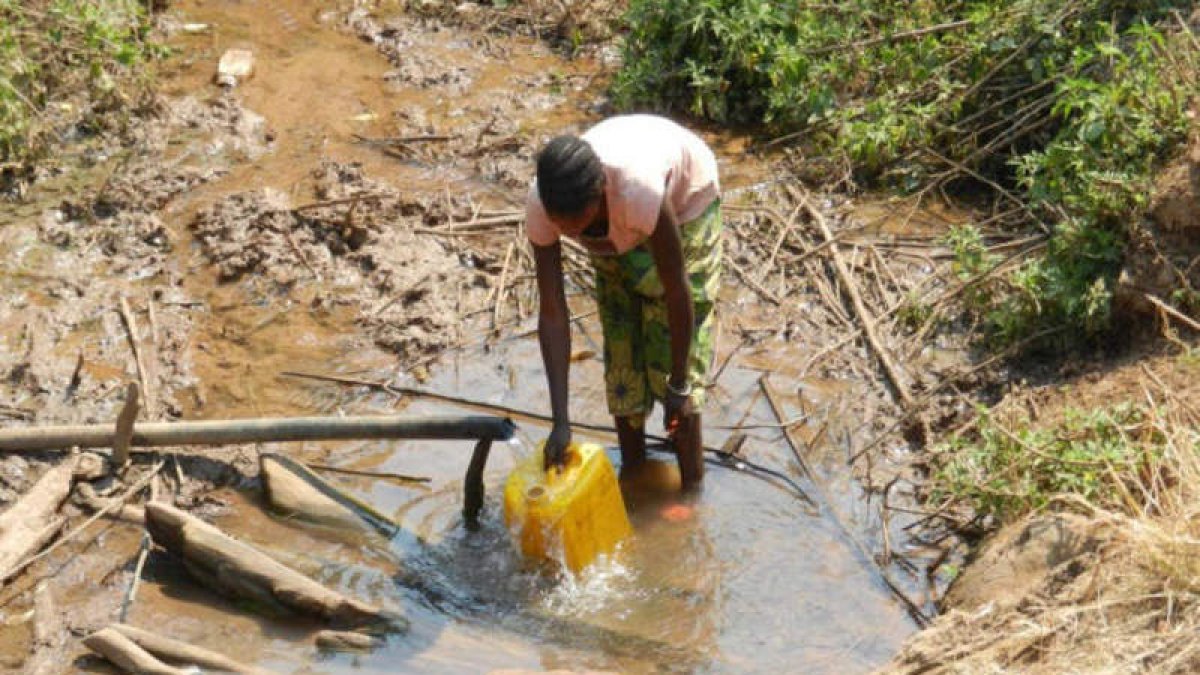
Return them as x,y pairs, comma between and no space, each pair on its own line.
749,281
864,316
913,609
143,374
1172,312
131,592
501,289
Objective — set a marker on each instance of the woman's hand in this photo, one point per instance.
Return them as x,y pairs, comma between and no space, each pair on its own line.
677,408
554,451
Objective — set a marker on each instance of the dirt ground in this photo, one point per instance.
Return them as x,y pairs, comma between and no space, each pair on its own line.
277,225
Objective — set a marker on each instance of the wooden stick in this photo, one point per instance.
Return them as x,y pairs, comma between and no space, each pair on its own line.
143,374
868,323
788,432
339,202
125,654
784,231
894,37
749,281
49,634
131,592
291,242
400,477
400,140
1172,312
123,434
33,520
913,610
342,641
501,288
175,650
134,489
153,321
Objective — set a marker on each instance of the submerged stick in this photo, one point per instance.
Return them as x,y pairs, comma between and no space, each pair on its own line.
890,369
384,475
131,593
913,609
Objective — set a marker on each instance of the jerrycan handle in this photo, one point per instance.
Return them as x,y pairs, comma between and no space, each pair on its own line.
572,459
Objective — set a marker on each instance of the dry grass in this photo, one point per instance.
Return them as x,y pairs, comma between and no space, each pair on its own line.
1132,606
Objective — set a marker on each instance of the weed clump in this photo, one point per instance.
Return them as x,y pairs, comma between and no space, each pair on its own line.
1003,473
65,66
1060,111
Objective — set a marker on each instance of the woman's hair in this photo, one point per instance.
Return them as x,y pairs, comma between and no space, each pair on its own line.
569,175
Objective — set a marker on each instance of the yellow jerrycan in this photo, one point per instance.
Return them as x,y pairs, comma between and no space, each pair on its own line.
571,514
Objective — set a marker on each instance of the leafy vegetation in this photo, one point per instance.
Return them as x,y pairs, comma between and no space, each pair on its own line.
63,62
1061,111
1007,473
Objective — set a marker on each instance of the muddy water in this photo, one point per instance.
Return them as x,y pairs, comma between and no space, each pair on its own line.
755,580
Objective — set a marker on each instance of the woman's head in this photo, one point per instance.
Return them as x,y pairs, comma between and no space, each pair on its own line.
570,179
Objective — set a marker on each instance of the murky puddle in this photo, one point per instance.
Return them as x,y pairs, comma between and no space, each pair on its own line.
756,580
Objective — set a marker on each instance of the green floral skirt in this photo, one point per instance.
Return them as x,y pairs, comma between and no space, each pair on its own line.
637,338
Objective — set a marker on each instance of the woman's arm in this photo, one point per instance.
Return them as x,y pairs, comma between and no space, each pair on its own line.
666,245
554,335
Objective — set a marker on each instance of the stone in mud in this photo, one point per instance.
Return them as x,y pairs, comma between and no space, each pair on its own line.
236,66
1020,558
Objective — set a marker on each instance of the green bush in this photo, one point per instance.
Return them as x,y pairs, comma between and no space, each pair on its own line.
1008,473
61,63
1063,109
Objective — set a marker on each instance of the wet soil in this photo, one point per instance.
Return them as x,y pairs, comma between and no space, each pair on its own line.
354,208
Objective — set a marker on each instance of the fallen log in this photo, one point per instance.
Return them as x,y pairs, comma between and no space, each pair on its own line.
239,570
263,430
33,520
126,654
176,651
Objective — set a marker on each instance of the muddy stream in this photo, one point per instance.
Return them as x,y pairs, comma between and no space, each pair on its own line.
755,581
